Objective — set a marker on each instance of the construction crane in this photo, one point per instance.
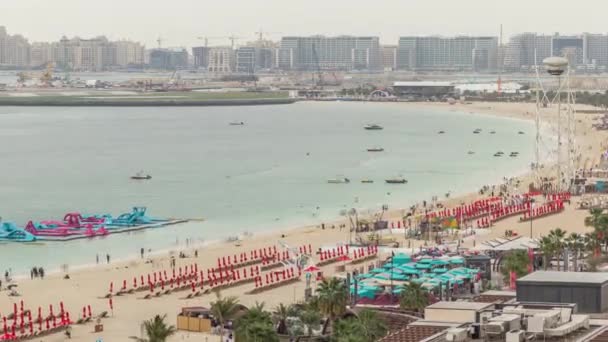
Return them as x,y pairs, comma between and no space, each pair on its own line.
261,34
159,41
206,39
47,76
232,39
315,59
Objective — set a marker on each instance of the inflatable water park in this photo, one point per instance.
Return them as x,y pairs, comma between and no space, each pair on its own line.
81,226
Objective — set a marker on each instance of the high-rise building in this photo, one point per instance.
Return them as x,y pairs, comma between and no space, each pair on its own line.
83,54
284,58
221,60
330,53
246,60
14,50
168,59
126,53
586,51
201,57
527,50
447,53
595,48
250,59
43,53
389,57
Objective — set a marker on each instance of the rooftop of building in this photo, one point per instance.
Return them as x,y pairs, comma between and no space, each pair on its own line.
418,331
477,306
422,84
565,277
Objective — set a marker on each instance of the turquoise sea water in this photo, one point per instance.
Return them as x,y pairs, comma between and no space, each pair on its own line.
270,173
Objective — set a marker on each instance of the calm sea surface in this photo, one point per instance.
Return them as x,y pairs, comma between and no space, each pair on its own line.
272,172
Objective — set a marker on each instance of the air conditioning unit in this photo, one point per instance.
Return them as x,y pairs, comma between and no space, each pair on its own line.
494,328
456,335
515,336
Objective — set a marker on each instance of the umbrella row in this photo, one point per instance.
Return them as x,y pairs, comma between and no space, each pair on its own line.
21,325
543,210
275,279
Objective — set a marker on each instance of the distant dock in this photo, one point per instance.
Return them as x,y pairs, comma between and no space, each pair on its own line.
102,98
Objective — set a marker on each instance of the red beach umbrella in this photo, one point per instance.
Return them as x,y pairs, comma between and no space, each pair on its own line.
311,268
111,287
89,310
48,326
134,282
111,304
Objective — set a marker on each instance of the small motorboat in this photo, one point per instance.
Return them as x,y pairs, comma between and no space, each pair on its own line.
498,154
367,181
396,181
521,132
140,176
374,127
441,132
477,131
338,181
514,154
470,152
493,132
241,123
375,149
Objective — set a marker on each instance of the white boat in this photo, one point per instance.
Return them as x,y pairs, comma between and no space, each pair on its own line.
339,181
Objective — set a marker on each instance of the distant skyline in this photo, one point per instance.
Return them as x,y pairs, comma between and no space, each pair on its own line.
180,22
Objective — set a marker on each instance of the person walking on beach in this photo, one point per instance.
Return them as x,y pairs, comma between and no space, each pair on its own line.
97,259
108,258
41,273
141,251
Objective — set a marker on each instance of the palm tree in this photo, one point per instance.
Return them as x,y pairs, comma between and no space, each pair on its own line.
516,261
280,314
414,297
373,327
547,247
558,235
332,296
574,242
256,325
257,332
156,330
311,319
595,219
224,309
591,243
348,330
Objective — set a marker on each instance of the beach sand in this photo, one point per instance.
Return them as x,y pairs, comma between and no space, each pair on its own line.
88,286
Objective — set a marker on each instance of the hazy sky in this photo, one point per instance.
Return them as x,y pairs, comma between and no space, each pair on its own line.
180,22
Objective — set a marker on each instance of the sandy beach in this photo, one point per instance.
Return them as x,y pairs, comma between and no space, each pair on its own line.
88,286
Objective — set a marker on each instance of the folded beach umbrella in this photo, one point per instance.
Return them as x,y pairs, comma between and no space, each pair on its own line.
457,260
423,266
377,270
437,262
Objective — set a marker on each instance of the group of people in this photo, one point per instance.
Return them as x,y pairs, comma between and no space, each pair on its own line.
35,272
